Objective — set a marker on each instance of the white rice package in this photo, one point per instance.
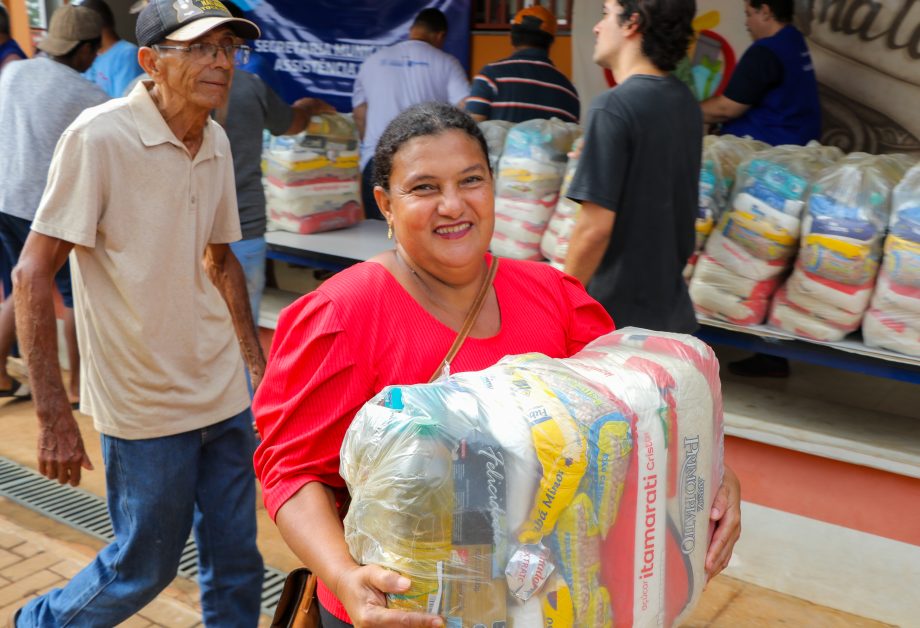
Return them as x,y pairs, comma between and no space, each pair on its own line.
530,174
312,179
545,492
718,293
893,319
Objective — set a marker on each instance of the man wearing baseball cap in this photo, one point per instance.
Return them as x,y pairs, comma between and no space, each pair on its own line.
525,85
39,98
141,191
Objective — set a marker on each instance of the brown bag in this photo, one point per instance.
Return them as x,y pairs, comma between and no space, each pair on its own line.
298,606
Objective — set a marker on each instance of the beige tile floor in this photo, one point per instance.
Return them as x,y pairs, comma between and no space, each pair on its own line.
51,552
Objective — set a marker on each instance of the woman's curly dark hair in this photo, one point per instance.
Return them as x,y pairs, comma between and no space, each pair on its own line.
430,118
666,27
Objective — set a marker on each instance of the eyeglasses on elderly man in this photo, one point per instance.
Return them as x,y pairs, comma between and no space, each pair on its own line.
204,53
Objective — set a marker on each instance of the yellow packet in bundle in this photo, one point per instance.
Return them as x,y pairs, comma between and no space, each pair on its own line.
560,449
601,613
557,605
577,540
609,446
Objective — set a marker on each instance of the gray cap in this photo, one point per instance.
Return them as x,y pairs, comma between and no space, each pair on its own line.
69,26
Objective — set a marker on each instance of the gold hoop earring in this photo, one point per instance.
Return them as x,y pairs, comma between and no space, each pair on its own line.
389,230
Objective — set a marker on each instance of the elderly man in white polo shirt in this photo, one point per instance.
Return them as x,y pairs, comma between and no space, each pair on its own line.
140,191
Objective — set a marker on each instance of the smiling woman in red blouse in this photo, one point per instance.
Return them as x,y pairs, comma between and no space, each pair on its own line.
391,320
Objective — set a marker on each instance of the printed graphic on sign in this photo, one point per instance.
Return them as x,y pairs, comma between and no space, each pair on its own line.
709,61
316,48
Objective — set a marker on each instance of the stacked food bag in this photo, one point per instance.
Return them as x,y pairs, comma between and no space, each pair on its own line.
842,234
555,243
757,238
312,179
722,154
530,174
893,319
495,132
545,492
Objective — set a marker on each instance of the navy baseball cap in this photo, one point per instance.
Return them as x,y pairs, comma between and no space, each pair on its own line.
185,20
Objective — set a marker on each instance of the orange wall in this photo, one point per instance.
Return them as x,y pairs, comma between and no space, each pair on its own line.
488,47
848,495
19,25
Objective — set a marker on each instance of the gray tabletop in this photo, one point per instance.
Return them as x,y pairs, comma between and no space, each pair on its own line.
331,249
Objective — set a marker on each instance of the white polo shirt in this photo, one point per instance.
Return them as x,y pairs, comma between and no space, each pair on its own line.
159,353
394,78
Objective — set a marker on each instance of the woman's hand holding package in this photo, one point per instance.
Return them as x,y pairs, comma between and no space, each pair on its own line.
726,514
363,590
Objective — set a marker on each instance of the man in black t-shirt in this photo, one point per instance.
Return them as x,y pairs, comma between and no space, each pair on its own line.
638,176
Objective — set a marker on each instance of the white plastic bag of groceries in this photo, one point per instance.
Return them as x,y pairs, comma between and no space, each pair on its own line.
312,179
555,242
843,231
564,492
893,320
756,238
722,154
527,185
495,132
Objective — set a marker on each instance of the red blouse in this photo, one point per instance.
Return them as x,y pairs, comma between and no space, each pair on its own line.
360,331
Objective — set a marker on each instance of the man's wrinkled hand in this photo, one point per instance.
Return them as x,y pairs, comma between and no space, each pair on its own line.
61,455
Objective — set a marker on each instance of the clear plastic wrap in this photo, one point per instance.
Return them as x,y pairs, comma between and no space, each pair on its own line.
563,492
757,238
722,154
555,243
842,236
495,132
312,179
893,319
530,174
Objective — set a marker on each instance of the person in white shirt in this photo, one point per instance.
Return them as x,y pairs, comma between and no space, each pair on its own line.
393,79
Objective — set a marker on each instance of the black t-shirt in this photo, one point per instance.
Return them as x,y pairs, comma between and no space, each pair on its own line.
759,71
641,159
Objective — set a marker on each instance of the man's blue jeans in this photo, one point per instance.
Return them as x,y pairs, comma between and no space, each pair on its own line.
251,254
159,490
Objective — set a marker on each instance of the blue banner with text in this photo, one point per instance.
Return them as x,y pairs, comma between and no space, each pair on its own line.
315,48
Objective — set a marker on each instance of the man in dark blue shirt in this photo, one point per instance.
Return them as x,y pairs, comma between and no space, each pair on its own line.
772,95
526,85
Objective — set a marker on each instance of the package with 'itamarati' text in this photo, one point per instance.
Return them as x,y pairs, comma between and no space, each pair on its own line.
545,492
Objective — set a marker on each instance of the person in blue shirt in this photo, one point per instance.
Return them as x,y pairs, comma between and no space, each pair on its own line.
116,66
772,95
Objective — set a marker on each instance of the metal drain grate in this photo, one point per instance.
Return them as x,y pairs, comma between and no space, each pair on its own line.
88,513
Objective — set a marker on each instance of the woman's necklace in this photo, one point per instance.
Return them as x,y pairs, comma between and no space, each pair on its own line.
429,293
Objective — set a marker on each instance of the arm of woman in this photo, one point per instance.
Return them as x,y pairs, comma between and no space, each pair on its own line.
726,514
320,544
